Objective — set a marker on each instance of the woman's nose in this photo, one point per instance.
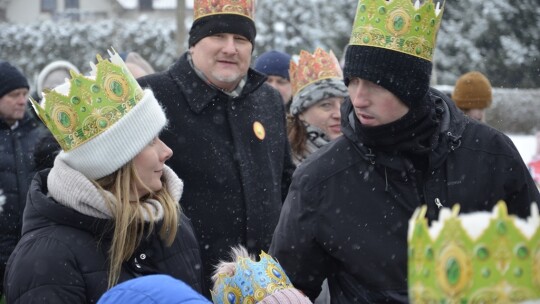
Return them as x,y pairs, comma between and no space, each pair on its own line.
166,151
336,112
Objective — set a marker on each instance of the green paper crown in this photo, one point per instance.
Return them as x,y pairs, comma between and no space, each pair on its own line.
85,107
398,25
476,258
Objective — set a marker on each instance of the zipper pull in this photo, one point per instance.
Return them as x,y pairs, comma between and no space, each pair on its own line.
438,203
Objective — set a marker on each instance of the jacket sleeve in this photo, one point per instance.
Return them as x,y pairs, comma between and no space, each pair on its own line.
43,270
294,243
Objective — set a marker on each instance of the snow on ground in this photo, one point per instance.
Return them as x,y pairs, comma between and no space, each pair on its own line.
526,145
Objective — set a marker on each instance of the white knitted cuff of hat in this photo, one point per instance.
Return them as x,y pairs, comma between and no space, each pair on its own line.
121,142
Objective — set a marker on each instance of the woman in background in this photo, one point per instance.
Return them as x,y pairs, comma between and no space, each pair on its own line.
318,92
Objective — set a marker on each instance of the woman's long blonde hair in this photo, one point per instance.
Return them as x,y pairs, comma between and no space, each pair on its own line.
129,222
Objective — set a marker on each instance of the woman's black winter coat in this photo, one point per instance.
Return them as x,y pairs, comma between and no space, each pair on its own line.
62,256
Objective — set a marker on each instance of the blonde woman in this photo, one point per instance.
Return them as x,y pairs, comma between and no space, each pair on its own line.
108,210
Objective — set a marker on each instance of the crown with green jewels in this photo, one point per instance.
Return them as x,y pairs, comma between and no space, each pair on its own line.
398,25
252,281
482,257
87,106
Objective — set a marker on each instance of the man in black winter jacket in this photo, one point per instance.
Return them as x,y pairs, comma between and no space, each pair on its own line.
227,131
18,136
404,145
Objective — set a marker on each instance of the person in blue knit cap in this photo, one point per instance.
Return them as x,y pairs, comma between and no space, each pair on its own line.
275,64
157,288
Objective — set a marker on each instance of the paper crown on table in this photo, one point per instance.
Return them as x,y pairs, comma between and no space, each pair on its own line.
203,8
252,281
87,106
312,68
398,25
481,257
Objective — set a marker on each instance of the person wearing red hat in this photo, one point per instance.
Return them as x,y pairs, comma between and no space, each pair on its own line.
534,164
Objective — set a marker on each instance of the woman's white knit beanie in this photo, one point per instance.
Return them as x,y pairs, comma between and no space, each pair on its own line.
121,142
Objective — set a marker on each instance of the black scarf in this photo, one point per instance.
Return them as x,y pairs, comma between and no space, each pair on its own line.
410,135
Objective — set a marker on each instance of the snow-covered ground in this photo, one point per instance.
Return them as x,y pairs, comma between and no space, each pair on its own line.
526,145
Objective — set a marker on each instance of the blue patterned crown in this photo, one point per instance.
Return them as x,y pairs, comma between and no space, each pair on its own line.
252,281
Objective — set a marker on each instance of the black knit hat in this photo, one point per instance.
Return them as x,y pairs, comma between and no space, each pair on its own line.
222,23
11,79
404,75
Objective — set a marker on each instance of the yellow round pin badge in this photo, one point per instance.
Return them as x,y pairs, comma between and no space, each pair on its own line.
259,131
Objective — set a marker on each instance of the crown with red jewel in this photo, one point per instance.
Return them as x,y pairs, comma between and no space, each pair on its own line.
202,8
311,68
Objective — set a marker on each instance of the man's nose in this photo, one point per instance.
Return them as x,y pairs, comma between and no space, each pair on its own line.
22,98
358,94
230,45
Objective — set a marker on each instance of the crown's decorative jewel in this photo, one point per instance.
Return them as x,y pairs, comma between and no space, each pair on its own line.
86,106
311,68
480,257
204,8
398,25
252,281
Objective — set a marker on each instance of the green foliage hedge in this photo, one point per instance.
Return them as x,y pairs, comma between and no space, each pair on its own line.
33,46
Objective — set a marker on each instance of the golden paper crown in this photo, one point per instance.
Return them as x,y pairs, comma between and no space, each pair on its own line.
311,68
398,25
474,258
202,8
85,107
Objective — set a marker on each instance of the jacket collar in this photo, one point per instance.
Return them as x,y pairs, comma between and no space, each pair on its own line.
198,93
26,118
41,211
452,125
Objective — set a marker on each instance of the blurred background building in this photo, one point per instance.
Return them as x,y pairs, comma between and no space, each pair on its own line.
26,11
